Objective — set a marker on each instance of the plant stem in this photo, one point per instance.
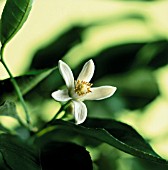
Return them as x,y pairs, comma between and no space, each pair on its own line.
21,122
62,108
17,89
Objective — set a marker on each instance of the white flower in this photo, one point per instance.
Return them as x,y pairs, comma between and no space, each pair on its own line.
80,90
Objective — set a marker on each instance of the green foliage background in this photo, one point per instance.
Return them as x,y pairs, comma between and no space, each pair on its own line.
128,42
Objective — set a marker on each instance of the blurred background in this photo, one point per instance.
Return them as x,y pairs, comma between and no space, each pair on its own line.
127,41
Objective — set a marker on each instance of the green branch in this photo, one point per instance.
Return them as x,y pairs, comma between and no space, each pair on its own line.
62,108
17,89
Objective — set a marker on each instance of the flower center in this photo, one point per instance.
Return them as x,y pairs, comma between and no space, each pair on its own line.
82,87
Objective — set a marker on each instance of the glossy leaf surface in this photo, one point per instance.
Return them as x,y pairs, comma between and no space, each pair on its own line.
14,15
17,154
114,133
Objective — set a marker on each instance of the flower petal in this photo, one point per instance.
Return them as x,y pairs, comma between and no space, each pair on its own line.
61,95
87,71
99,93
66,74
80,111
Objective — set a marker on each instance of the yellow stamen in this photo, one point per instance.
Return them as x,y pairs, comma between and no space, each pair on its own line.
82,87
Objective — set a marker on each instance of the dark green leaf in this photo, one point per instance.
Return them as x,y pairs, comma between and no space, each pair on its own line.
136,88
17,154
129,57
48,56
3,165
14,15
153,55
114,133
65,156
116,59
146,165
26,83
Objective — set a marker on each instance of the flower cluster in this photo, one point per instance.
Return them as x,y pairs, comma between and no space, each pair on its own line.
79,90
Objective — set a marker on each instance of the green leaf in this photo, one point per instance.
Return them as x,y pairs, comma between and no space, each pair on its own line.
17,154
114,133
65,155
153,54
136,88
48,56
14,15
26,83
4,129
8,109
